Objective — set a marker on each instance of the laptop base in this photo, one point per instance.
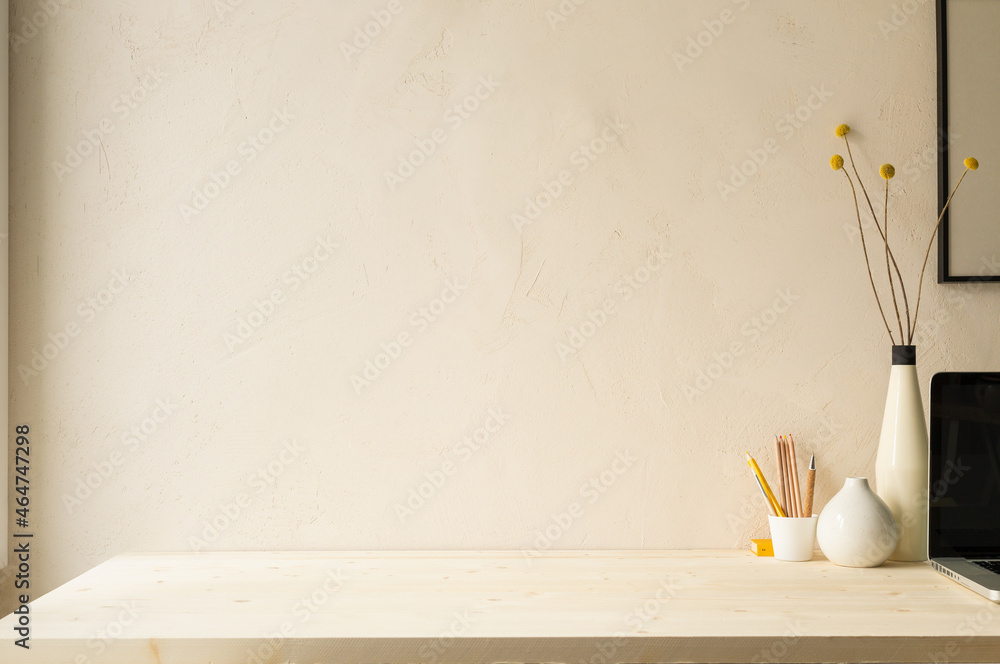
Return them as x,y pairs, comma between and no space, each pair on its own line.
971,576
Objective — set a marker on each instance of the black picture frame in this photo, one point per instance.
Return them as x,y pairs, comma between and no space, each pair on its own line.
945,274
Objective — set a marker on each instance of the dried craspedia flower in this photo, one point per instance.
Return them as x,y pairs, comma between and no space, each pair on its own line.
843,130
971,163
886,171
836,162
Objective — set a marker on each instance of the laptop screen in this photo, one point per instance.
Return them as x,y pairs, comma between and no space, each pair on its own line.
964,498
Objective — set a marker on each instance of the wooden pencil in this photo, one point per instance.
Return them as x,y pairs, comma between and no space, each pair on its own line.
789,485
779,460
796,494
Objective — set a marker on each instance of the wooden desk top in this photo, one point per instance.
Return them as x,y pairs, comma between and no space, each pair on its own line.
441,607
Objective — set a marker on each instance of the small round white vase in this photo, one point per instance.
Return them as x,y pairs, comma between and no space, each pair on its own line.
856,528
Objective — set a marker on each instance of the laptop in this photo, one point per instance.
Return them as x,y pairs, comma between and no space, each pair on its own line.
963,538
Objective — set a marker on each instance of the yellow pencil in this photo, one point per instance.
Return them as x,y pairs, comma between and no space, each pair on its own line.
763,482
770,507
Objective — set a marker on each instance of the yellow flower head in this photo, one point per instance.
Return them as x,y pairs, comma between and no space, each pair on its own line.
836,162
971,163
887,171
843,130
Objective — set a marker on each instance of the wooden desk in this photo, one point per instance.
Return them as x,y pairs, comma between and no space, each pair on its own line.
443,607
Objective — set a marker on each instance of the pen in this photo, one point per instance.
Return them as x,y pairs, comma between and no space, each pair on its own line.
810,487
763,483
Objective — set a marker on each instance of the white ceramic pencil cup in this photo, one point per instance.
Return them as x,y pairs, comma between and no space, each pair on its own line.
793,538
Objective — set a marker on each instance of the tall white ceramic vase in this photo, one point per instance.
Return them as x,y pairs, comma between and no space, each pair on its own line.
901,464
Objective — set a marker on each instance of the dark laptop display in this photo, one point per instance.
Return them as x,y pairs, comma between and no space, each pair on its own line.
964,487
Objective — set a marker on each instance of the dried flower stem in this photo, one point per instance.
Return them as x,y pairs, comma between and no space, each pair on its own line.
920,282
888,272
871,207
861,229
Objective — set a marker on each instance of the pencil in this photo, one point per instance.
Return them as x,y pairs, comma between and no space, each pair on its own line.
787,469
810,486
797,495
770,507
763,483
779,460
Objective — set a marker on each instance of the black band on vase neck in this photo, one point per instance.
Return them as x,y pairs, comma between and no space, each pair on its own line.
904,355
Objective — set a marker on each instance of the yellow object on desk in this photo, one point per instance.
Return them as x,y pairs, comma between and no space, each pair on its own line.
763,483
761,547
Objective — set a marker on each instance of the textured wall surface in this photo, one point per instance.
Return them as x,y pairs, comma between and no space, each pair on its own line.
439,274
